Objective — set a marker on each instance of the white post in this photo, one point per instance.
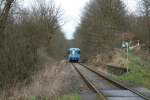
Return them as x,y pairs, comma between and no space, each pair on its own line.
127,54
127,59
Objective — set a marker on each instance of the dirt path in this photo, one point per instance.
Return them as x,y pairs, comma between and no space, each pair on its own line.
73,82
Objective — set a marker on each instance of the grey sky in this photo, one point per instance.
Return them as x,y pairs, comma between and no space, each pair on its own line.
73,10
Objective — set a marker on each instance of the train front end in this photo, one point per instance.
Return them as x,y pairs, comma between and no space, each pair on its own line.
73,55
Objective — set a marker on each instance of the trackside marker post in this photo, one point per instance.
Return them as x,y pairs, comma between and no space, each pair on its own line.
126,46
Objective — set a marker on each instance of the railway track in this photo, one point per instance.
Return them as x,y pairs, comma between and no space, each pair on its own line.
104,87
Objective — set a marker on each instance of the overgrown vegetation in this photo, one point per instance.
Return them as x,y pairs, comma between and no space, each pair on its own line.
70,97
139,72
106,23
102,21
64,97
22,33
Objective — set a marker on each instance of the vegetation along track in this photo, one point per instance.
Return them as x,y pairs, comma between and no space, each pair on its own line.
106,88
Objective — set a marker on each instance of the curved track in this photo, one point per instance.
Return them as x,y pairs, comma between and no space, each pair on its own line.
106,88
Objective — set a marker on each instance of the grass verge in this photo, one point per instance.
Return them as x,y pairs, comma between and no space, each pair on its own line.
69,97
139,73
65,97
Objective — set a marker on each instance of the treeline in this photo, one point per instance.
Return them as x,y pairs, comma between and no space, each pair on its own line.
104,22
22,33
140,23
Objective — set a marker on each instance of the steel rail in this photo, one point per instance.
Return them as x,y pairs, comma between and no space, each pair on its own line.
115,82
90,84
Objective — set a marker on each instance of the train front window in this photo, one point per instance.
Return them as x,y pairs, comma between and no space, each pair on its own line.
78,52
73,52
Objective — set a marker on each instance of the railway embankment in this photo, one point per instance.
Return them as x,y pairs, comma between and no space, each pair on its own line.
139,72
138,75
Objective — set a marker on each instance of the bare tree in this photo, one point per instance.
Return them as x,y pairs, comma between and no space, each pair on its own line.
4,14
101,22
27,32
145,9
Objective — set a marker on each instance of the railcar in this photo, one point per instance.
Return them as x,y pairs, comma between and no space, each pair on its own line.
73,55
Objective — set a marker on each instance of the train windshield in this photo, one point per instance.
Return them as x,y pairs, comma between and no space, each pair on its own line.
74,51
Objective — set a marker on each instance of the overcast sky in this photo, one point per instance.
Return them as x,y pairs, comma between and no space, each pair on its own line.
73,10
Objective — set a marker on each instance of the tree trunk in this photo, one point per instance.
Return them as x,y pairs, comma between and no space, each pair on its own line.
4,15
149,34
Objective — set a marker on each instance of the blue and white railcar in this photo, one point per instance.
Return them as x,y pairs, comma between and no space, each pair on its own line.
73,54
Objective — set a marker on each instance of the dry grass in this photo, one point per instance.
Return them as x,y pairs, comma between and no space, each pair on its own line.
46,83
139,74
118,59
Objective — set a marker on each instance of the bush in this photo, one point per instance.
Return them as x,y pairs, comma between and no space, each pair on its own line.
25,33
